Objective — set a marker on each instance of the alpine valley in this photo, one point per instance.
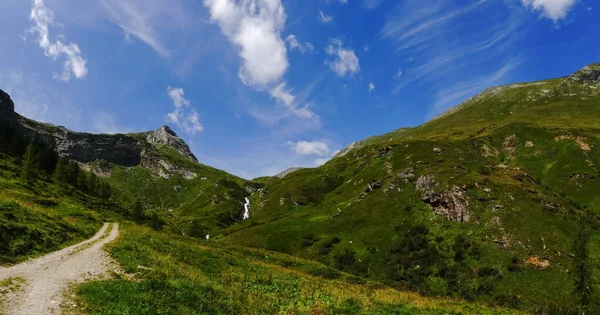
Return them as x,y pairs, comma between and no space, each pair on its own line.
490,208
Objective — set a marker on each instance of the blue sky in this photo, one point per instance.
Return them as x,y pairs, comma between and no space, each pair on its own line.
257,86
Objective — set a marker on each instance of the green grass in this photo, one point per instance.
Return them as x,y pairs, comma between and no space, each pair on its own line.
177,275
44,217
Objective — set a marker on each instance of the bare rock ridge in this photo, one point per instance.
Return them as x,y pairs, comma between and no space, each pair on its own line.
288,171
7,108
166,136
122,149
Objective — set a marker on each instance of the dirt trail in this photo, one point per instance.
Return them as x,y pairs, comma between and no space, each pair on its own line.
47,278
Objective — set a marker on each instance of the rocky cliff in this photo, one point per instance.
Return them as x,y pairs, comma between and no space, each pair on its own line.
7,108
121,149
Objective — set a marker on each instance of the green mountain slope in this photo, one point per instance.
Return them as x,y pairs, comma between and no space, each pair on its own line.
484,202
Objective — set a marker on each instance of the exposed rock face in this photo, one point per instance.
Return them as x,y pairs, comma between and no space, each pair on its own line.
121,149
165,136
7,108
288,171
588,74
451,204
347,149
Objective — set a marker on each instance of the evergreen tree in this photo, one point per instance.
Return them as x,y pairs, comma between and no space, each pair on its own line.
72,173
60,173
582,269
138,212
82,180
92,184
18,144
156,222
29,169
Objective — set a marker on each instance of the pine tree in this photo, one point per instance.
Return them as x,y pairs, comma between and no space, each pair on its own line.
29,169
72,173
138,212
156,222
582,270
92,184
18,144
82,180
60,172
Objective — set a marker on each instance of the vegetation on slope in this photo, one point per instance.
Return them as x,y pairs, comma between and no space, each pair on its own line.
45,202
484,202
166,274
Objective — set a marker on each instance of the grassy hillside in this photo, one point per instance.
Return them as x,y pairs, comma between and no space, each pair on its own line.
484,202
197,205
44,216
166,275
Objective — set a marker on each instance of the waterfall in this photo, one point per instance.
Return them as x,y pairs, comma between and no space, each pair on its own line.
246,209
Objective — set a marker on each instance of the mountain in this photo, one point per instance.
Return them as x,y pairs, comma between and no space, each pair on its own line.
495,201
485,201
155,167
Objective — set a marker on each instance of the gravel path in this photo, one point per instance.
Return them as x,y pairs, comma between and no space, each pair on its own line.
47,278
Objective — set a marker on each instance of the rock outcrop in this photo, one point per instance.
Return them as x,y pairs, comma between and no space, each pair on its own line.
7,108
288,171
166,136
121,149
451,204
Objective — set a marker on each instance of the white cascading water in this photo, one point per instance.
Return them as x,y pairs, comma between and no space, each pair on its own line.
247,209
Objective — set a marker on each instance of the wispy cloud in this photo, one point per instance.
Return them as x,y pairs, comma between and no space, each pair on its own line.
455,93
141,20
553,9
444,51
295,44
75,64
324,18
372,4
345,61
189,120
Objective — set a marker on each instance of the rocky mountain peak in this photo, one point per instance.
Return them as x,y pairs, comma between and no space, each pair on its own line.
166,136
7,107
588,74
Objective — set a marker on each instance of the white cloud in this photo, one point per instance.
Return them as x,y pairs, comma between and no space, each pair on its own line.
75,64
366,48
188,120
284,96
345,61
254,26
372,4
324,18
315,148
398,74
553,9
371,87
151,21
295,44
